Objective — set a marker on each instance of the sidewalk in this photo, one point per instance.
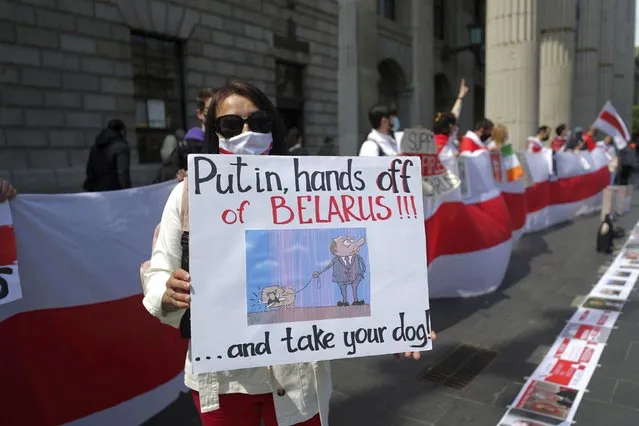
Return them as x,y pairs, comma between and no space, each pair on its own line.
517,323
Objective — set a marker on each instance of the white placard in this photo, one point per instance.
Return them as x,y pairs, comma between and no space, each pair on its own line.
10,289
595,317
549,400
302,258
570,362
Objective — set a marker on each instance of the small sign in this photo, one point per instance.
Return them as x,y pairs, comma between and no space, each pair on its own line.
437,180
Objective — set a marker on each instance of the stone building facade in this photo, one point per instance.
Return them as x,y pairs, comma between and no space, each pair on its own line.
68,66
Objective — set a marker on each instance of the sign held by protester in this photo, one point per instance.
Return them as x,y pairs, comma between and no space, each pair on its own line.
282,249
436,178
10,289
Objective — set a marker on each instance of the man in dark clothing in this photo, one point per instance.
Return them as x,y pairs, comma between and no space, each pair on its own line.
627,162
108,167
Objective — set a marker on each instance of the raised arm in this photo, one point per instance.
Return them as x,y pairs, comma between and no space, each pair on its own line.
463,91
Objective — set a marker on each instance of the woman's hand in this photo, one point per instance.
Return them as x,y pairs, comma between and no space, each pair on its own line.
416,355
181,174
177,294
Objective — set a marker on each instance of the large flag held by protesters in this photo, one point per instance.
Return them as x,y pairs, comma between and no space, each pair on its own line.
611,123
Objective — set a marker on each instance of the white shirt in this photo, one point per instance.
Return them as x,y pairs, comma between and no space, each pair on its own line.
307,385
376,141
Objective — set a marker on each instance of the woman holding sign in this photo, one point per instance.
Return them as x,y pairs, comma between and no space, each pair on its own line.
241,120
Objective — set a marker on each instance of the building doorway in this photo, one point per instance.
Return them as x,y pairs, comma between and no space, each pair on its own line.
289,96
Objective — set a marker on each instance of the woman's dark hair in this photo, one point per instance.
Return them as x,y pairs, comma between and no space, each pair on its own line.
560,129
261,101
443,121
376,113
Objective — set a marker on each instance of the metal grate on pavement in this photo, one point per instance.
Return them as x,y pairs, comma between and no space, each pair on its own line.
460,367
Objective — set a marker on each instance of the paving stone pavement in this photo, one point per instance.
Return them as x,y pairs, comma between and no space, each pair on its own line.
520,321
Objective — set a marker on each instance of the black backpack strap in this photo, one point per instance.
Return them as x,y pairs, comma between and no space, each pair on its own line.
380,153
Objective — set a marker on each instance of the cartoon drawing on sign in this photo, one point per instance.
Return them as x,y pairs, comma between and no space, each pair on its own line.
286,280
347,265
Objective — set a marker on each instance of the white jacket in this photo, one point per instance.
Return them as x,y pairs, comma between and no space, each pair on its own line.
300,390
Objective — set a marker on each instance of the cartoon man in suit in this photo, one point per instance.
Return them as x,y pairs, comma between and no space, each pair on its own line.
348,267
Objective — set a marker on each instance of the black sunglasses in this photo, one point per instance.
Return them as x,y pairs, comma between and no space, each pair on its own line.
231,125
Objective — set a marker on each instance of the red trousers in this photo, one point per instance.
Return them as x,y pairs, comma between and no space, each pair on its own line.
238,409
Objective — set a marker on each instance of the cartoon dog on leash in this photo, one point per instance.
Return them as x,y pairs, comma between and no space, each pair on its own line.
348,267
278,297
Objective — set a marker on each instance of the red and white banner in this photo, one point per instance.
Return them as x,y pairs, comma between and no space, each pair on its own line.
611,123
81,309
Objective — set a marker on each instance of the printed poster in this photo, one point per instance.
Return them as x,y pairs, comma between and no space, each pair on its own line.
616,274
585,332
10,289
548,399
291,259
569,362
516,417
603,304
595,317
617,286
437,180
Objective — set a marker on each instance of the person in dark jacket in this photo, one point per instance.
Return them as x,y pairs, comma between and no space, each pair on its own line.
108,167
627,162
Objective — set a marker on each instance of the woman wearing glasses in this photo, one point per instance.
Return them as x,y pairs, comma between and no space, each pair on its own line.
240,120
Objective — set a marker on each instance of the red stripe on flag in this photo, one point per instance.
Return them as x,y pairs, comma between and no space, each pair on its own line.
64,364
457,228
8,254
612,120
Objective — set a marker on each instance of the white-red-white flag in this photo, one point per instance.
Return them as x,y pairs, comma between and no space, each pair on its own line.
612,124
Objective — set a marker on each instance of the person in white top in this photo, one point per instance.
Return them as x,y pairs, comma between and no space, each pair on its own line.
379,142
536,143
241,120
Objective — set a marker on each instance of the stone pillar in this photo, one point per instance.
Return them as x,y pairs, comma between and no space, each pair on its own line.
557,52
585,107
606,52
623,57
423,99
357,71
512,67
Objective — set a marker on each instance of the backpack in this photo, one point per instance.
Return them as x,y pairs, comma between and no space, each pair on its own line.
185,322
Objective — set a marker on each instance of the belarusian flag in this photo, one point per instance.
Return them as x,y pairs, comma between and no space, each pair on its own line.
510,163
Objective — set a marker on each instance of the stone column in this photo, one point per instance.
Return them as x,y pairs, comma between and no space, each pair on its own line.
423,69
557,53
585,107
357,71
623,56
512,67
606,52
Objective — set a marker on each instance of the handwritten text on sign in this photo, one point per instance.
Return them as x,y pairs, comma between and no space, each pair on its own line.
298,259
437,179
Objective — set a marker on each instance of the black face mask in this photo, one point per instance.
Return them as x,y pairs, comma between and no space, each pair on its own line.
484,137
545,138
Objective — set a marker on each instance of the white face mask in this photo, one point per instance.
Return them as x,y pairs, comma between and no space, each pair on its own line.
248,143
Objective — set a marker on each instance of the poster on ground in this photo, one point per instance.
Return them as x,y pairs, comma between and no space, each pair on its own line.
588,333
595,317
603,304
516,417
550,400
570,362
10,289
296,259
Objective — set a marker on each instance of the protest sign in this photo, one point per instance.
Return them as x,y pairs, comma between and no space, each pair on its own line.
595,317
296,259
10,289
588,333
570,362
437,179
549,399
